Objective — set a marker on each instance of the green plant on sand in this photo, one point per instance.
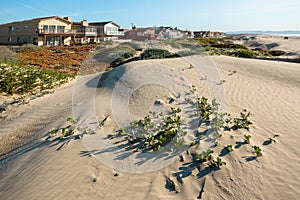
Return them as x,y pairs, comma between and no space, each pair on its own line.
217,163
247,139
229,147
258,151
102,122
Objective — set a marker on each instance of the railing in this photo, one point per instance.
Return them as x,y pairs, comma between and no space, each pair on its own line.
114,33
64,31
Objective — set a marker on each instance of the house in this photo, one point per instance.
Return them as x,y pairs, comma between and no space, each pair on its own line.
108,30
141,34
54,30
165,33
209,34
83,32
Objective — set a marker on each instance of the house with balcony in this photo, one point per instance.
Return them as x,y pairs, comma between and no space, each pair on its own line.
108,30
52,30
83,32
55,30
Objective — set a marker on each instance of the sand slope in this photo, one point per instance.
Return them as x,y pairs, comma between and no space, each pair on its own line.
270,90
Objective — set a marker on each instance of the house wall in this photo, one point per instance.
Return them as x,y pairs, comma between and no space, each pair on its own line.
111,29
36,34
55,39
23,32
55,22
141,34
28,32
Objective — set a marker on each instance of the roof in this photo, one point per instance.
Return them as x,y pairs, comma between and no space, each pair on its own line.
76,23
103,23
144,29
39,19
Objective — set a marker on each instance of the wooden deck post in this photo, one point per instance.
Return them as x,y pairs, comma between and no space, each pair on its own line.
45,40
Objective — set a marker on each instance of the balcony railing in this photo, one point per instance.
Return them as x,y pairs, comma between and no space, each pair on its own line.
114,33
64,32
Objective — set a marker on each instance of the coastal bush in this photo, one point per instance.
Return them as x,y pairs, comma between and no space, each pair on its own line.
114,55
136,46
7,55
157,54
243,53
229,45
156,131
28,48
21,79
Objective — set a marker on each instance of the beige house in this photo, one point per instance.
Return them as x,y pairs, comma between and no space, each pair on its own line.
54,31
40,31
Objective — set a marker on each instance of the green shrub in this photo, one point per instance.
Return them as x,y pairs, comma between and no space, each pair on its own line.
28,48
157,54
243,53
20,80
7,55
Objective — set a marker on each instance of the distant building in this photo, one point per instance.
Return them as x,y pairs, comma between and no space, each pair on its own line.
157,33
141,34
208,34
54,31
165,33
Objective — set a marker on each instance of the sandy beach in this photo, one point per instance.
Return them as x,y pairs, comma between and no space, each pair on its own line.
42,169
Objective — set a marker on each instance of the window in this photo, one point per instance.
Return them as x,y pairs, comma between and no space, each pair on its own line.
50,41
9,39
60,29
90,29
25,41
18,40
11,28
140,34
46,28
26,26
17,29
51,29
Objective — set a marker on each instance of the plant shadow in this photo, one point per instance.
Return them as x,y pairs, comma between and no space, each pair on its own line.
250,158
224,152
267,142
239,144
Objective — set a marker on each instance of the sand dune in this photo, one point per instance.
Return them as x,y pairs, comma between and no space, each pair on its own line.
272,42
270,90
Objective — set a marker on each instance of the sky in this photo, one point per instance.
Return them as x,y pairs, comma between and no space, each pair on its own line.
214,15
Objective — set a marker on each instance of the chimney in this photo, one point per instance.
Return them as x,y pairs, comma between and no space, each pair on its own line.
84,22
67,18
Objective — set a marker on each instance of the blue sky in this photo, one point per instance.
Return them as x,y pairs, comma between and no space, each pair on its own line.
217,15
